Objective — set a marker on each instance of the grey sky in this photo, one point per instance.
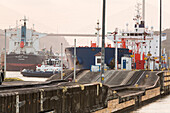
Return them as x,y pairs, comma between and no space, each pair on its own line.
78,16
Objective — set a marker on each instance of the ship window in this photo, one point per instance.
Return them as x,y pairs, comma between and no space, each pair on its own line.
150,46
125,34
156,46
131,34
15,43
31,43
98,60
136,34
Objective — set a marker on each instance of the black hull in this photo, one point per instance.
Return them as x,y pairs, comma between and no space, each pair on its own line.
18,62
38,74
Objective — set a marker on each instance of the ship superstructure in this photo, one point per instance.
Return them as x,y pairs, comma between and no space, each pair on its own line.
23,50
24,41
142,41
86,56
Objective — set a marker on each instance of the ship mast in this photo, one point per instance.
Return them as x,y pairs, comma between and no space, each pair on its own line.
143,15
25,20
98,35
143,22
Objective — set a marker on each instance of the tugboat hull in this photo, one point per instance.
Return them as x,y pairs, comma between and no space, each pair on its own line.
38,74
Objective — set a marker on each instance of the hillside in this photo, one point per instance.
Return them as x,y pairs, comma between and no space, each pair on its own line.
54,42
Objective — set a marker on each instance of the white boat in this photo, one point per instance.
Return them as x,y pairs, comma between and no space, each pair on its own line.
48,68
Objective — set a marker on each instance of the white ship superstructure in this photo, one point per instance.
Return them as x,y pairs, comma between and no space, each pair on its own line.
23,50
142,41
20,44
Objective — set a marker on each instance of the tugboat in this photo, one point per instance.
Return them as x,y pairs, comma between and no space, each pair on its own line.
48,68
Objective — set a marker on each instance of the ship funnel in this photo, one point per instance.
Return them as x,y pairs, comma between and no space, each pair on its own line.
23,32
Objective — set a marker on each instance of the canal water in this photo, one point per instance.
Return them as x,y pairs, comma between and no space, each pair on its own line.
159,106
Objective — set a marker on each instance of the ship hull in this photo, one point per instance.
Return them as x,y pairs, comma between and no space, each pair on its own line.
18,62
86,56
38,74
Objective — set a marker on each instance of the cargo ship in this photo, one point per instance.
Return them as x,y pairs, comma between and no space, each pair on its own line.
141,44
87,56
23,50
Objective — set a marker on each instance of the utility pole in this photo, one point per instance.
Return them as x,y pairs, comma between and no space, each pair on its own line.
5,57
103,43
61,61
116,40
160,40
75,60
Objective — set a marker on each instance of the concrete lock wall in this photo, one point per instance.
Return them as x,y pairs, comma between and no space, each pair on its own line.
114,105
75,98
61,99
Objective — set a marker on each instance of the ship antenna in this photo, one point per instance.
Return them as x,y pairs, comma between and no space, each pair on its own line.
33,26
127,29
17,24
98,35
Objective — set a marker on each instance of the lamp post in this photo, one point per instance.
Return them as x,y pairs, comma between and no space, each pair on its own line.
116,54
75,60
160,35
61,61
103,43
5,57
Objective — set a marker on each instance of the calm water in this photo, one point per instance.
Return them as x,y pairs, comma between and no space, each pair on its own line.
160,106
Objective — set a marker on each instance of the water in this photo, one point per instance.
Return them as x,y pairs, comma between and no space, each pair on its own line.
160,106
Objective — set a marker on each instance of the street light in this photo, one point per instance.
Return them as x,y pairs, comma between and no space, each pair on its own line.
160,35
5,57
61,61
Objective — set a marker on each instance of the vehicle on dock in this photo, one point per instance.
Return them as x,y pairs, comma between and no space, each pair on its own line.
48,68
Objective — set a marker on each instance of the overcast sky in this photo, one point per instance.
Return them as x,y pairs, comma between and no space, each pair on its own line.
78,16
